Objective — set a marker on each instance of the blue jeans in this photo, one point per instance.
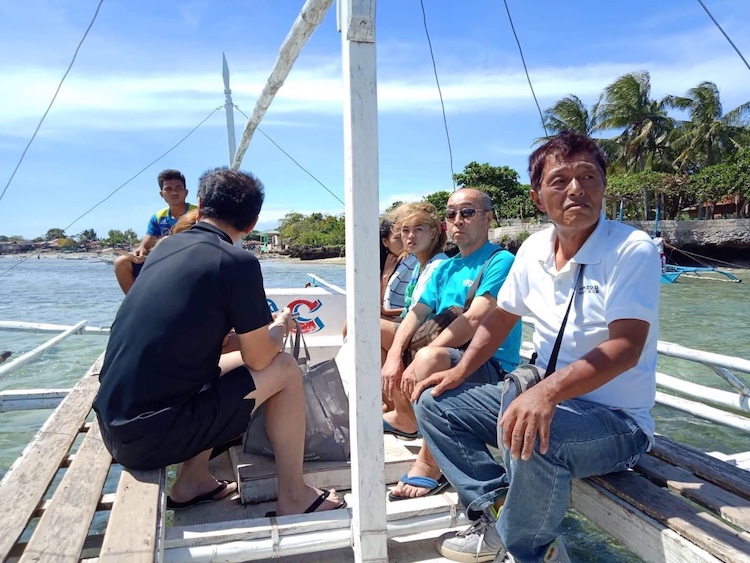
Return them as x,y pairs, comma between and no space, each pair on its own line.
585,439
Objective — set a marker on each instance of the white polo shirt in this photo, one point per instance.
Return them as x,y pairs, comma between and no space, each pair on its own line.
621,280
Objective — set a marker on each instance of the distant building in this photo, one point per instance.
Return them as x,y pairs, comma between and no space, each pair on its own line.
270,241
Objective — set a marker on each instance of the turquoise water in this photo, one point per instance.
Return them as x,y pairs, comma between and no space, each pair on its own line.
698,314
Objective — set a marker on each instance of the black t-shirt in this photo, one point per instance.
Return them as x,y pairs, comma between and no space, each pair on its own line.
166,338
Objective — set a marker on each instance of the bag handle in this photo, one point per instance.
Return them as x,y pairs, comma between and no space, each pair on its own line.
295,346
552,364
474,286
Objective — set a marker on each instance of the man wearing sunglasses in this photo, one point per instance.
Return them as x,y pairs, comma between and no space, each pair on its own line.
468,217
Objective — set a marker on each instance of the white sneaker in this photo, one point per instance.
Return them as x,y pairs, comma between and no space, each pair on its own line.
556,552
477,543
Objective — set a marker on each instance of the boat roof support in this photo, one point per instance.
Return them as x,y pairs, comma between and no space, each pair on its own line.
309,18
361,185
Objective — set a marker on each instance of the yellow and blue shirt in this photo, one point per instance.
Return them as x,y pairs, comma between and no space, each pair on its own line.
162,221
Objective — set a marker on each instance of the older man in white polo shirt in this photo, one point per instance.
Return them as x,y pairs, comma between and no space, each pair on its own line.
590,415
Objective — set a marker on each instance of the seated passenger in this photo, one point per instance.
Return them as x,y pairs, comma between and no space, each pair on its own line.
590,415
167,393
172,189
396,266
423,235
468,216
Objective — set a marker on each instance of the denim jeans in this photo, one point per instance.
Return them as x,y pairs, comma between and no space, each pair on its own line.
585,439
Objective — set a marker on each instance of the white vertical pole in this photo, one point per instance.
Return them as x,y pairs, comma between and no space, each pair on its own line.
229,109
357,21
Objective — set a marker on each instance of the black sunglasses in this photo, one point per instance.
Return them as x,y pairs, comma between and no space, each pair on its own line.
465,212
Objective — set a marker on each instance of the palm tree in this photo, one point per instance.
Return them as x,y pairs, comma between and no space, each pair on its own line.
570,114
710,135
627,105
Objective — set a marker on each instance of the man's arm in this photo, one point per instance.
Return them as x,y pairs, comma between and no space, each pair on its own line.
530,414
464,327
146,244
260,346
490,334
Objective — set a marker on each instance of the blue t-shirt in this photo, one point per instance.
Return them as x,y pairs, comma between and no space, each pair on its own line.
450,283
162,221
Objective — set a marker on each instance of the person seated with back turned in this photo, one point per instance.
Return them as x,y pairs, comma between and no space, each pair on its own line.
590,415
167,393
468,216
172,189
423,235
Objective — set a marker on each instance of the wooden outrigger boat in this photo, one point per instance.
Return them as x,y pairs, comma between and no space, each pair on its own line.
671,273
679,504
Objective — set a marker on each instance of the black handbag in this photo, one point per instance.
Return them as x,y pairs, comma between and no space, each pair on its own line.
326,412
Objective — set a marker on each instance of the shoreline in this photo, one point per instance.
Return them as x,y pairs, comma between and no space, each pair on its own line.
108,254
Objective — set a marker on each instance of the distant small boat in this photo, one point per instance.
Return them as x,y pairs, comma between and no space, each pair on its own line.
670,274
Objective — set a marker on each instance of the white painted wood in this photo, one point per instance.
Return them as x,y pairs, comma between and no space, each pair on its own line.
21,326
650,540
720,360
363,310
703,411
24,359
704,393
228,109
309,18
31,399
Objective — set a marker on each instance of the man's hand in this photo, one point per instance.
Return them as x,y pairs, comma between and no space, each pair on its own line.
408,381
139,252
442,381
391,376
529,416
284,318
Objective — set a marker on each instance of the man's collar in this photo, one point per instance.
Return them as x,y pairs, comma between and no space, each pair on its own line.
592,250
209,228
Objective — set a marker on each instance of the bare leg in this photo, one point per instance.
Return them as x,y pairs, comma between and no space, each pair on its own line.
428,360
387,332
124,273
280,386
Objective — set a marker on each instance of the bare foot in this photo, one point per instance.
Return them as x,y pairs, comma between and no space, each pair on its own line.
184,491
298,505
422,469
404,424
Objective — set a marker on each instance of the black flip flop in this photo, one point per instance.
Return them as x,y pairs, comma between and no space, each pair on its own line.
313,507
200,499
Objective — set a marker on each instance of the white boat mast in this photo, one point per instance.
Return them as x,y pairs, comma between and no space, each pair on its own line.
228,109
361,185
309,18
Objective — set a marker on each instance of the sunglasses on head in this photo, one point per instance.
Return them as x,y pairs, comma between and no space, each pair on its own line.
465,212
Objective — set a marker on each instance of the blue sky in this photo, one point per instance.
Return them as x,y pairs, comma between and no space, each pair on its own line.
150,71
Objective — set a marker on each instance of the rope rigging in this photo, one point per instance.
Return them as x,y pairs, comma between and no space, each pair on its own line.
440,93
305,170
525,68
118,188
54,97
713,19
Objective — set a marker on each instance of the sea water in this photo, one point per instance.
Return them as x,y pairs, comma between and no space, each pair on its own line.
700,314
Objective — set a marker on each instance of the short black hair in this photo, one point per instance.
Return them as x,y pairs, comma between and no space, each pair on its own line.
231,196
566,144
170,174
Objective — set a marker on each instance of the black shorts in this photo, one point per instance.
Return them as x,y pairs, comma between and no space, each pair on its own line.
137,268
216,415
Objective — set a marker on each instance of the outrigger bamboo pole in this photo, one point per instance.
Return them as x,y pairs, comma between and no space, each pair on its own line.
357,22
309,18
22,326
39,350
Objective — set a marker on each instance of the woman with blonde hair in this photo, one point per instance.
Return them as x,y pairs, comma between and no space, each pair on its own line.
423,236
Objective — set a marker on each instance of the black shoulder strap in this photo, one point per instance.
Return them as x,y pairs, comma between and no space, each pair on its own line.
552,364
475,285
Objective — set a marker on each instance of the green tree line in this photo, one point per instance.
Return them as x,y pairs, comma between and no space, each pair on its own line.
663,161
114,237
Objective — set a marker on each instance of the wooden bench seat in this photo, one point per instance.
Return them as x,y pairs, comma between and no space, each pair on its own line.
678,504
35,528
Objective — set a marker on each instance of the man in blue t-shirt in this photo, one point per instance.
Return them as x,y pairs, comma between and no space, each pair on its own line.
468,217
172,189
